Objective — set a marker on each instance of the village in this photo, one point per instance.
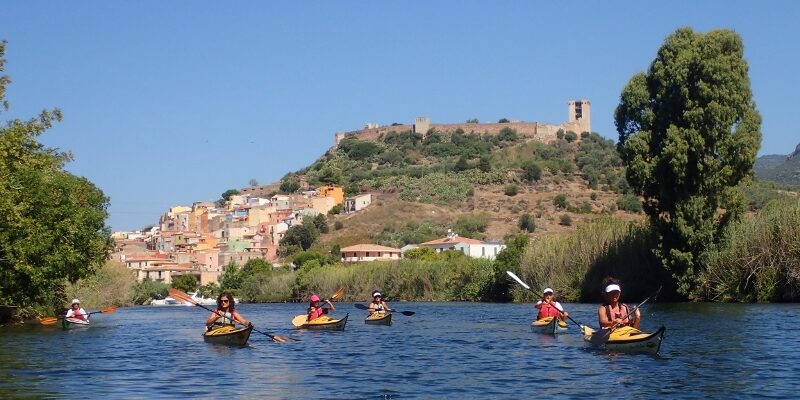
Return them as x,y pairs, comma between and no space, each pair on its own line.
204,238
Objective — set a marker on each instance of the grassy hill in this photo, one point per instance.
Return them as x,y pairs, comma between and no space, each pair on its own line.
479,185
783,170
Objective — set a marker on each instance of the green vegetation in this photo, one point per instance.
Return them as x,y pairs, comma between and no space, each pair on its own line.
112,284
186,283
225,197
511,190
472,225
52,229
758,259
412,232
527,223
689,132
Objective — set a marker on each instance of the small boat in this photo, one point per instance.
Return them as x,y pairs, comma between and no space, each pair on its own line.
322,323
625,339
67,323
549,325
167,301
379,318
228,335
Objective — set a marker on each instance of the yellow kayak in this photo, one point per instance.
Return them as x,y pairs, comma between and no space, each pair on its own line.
549,325
379,318
625,339
228,335
322,323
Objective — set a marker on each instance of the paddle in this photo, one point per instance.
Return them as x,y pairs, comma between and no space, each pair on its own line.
298,322
601,337
363,307
181,296
525,285
53,320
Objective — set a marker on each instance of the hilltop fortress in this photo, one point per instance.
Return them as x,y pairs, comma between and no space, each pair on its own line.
578,113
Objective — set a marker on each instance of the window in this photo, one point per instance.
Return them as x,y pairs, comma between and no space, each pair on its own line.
483,251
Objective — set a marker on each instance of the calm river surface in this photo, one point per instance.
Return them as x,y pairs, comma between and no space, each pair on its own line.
446,350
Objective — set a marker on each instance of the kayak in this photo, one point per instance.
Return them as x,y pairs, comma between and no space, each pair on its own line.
626,339
67,323
228,335
322,323
549,325
379,318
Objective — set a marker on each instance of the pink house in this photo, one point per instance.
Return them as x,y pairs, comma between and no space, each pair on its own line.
370,252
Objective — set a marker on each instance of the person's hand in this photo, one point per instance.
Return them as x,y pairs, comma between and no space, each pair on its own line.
249,324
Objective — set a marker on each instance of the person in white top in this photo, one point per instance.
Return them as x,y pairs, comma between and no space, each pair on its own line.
548,307
76,311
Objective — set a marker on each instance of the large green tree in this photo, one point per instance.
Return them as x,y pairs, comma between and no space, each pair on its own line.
688,133
52,223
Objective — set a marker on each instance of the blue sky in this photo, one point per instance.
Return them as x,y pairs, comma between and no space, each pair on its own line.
167,103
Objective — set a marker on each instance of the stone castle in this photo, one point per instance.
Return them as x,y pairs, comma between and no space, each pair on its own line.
578,112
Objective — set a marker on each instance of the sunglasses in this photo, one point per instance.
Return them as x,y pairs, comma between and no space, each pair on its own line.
225,301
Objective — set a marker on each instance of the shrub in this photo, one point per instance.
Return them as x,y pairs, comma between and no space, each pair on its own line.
593,196
511,190
629,202
565,220
570,136
532,171
338,225
527,223
472,225
560,201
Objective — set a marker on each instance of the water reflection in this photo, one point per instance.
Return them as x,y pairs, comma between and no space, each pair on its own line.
445,350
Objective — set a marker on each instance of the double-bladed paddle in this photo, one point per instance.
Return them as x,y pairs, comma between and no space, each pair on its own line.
525,285
53,320
601,337
363,307
181,296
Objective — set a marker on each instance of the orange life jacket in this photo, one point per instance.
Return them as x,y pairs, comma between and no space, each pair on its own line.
548,310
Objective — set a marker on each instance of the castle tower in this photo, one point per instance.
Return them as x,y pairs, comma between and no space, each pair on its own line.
338,136
580,113
422,125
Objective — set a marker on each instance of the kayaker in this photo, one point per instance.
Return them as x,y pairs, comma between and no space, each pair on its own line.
612,313
548,307
378,305
76,311
225,314
315,310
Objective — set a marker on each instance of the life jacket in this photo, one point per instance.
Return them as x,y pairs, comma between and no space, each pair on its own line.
314,313
548,310
224,320
378,306
623,312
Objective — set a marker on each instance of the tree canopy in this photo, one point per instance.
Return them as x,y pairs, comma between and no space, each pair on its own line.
52,229
688,133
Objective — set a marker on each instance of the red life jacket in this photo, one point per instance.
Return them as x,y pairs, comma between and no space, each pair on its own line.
315,313
623,312
548,310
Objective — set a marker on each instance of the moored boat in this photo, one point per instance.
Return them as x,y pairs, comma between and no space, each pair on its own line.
625,339
379,318
67,323
322,323
228,335
549,325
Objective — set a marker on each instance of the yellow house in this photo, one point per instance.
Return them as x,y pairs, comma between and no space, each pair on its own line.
332,191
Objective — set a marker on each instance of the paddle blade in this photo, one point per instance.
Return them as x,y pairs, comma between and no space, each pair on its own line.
48,320
338,294
600,337
407,313
181,296
360,306
108,310
516,278
300,320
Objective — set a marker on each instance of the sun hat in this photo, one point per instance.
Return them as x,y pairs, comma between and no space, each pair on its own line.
548,290
314,297
75,301
612,287
376,294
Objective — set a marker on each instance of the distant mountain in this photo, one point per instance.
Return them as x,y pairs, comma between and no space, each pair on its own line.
783,170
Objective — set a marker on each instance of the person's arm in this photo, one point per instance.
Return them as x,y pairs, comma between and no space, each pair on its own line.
331,304
539,304
386,307
603,318
635,319
564,314
212,318
371,308
70,313
85,314
240,318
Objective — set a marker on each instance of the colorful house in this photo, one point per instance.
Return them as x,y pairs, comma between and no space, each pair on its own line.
332,191
370,252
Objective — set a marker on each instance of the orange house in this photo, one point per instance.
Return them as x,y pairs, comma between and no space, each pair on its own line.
332,191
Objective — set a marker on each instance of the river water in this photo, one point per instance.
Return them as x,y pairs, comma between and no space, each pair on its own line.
446,350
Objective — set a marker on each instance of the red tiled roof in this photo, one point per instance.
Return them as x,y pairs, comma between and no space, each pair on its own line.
454,240
371,247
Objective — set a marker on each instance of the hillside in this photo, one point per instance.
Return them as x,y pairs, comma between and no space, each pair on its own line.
783,170
481,185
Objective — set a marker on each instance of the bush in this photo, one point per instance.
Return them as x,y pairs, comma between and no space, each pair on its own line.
113,284
289,185
186,283
338,225
527,223
560,201
629,202
511,190
532,171
148,289
337,209
570,136
565,220
593,196
472,225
